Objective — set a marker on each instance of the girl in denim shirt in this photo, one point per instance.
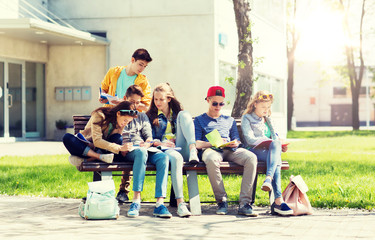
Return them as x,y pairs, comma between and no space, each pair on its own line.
172,127
256,125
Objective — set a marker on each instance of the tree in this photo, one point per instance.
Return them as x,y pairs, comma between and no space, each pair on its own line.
245,56
355,77
292,41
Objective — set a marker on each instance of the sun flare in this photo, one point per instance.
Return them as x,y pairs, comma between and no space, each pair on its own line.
321,35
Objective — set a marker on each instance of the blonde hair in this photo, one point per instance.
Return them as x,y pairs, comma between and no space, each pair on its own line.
257,99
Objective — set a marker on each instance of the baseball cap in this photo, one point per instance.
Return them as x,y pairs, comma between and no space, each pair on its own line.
215,91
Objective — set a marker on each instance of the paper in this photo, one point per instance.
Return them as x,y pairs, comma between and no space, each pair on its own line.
216,140
110,99
167,148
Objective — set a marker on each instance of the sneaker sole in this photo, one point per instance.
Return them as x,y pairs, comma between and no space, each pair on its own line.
249,214
193,161
184,215
132,216
162,216
266,188
283,213
221,213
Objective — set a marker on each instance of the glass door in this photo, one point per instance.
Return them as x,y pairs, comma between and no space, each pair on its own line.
2,97
12,109
15,100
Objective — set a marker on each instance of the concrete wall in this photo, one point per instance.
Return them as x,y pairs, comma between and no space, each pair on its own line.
70,66
23,50
178,34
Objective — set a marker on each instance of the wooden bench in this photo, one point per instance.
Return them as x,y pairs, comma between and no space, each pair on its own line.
103,170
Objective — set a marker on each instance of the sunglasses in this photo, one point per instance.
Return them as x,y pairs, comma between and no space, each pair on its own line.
130,112
265,97
216,103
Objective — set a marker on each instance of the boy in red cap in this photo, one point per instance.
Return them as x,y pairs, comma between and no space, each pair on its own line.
212,156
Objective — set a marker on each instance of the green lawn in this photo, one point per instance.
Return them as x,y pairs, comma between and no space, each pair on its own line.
339,172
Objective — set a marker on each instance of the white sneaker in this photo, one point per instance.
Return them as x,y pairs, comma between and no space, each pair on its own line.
182,210
193,156
108,158
75,160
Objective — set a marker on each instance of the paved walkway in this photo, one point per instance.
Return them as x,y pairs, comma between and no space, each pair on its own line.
54,218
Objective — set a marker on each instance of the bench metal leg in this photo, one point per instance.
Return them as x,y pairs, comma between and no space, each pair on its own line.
106,176
97,176
194,200
254,189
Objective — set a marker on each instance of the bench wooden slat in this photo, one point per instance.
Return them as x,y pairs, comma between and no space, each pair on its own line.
225,167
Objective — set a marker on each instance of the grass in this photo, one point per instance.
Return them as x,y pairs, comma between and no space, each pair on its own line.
339,172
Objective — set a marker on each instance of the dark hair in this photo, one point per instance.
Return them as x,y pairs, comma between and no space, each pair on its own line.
174,104
134,89
142,54
110,113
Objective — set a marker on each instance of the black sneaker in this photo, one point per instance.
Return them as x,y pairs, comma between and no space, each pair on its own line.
122,196
282,209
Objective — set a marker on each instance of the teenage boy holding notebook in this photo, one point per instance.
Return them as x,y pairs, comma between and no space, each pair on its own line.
211,156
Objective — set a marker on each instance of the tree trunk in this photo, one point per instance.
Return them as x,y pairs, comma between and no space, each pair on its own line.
290,85
355,79
291,48
245,57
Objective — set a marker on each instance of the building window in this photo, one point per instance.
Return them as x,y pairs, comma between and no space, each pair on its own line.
228,80
339,91
272,85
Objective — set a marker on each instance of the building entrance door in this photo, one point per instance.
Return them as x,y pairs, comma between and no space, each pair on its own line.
12,123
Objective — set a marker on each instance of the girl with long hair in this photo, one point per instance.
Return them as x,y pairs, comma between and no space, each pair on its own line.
101,139
172,127
257,127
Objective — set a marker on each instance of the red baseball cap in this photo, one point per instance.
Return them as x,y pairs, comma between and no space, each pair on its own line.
215,91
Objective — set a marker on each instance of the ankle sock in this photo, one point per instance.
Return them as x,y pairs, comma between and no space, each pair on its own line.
158,204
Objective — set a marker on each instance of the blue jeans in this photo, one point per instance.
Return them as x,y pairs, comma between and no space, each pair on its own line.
139,157
185,133
272,157
78,148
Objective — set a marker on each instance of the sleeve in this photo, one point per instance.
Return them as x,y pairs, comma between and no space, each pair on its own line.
107,81
198,129
146,130
97,135
233,132
248,132
146,89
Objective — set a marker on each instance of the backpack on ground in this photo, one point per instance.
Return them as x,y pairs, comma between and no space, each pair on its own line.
100,201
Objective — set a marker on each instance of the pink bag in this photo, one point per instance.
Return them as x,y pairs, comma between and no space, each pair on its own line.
295,196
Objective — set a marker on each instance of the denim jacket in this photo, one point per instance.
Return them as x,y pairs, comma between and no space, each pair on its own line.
253,129
158,131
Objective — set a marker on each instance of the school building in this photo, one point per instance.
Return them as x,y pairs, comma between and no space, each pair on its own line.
54,54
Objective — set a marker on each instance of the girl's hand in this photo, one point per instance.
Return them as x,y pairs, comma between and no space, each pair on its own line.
126,147
168,144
